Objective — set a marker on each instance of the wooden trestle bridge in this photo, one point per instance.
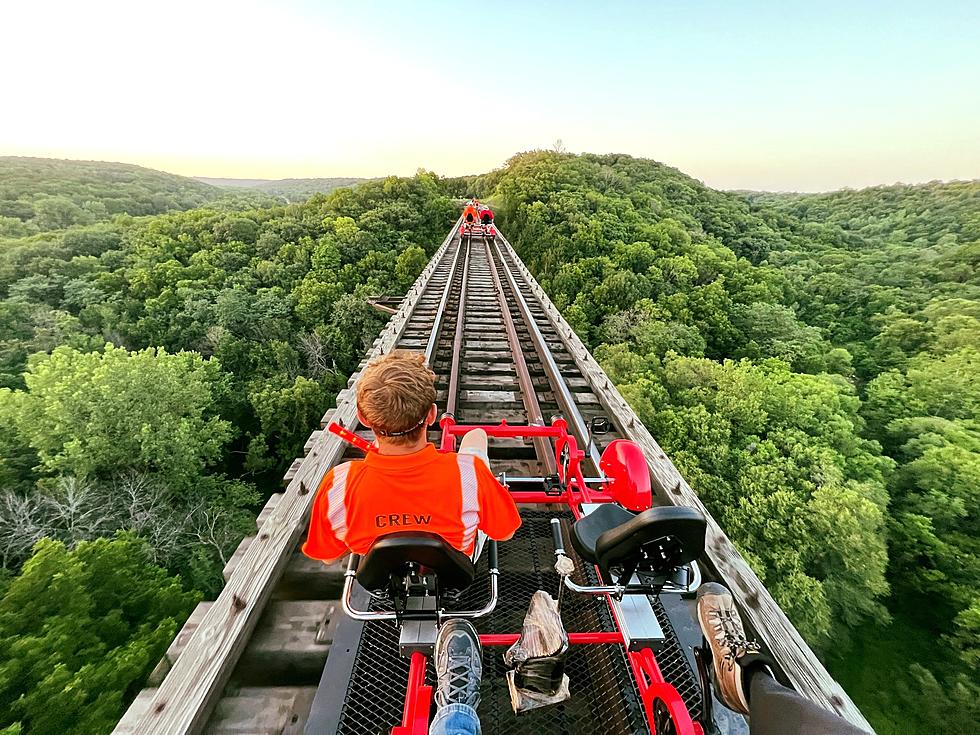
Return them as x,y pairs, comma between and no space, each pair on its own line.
255,660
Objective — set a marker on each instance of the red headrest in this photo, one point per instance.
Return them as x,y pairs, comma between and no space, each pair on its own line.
629,477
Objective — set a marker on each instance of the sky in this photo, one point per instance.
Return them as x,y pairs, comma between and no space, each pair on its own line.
779,95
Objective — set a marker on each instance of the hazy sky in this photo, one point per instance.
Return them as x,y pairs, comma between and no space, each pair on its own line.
765,95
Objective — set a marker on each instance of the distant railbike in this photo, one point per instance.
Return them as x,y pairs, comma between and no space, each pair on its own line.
478,221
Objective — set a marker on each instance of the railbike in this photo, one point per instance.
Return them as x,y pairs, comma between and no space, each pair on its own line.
627,566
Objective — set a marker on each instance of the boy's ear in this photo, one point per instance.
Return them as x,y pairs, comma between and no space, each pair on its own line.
433,413
360,417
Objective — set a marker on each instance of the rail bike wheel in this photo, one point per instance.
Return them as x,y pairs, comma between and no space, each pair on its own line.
663,723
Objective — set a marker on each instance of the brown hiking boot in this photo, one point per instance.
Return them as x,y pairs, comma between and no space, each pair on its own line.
722,627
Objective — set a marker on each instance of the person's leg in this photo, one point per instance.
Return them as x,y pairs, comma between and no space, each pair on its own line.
778,710
458,661
475,442
455,719
744,679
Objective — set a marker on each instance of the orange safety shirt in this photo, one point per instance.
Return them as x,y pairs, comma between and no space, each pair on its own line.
449,494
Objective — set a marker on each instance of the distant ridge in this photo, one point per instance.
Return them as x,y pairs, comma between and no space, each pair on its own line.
290,188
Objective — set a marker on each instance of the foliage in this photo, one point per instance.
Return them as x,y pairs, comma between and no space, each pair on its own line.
657,272
887,272
123,441
152,372
290,190
923,214
79,629
192,351
45,194
91,414
810,362
777,458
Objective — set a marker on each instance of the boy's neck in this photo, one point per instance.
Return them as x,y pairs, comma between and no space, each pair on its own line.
389,449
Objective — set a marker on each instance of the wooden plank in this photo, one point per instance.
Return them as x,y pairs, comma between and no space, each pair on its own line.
384,308
178,645
288,646
233,562
187,696
236,558
311,442
292,471
495,397
263,711
270,505
304,578
247,711
807,674
308,579
128,722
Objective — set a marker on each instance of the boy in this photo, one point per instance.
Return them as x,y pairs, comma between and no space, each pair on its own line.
407,485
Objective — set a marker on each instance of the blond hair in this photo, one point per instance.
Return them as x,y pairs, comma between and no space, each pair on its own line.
394,395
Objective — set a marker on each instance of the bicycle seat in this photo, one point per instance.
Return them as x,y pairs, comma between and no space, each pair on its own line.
391,555
663,538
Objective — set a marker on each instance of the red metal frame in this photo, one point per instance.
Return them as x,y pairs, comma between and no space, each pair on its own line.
418,698
649,680
568,457
574,639
351,438
652,687
468,229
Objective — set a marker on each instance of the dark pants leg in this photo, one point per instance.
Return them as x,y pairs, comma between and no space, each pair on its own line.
776,710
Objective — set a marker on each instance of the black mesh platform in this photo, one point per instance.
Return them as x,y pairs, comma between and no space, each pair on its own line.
604,696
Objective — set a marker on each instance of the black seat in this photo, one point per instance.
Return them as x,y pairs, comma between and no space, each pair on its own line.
391,554
612,536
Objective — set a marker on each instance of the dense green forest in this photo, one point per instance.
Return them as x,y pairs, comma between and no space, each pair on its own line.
293,190
810,362
40,194
159,373
812,365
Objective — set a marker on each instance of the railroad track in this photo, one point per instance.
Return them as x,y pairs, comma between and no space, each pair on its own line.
252,661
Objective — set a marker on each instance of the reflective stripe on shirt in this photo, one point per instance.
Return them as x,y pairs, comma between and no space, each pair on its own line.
336,510
470,508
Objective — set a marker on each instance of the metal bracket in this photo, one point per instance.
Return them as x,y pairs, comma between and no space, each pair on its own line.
638,622
418,635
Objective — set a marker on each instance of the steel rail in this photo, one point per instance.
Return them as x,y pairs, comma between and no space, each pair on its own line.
542,446
558,384
454,370
430,347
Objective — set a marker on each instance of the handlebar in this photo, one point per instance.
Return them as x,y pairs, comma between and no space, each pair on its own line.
492,556
557,537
